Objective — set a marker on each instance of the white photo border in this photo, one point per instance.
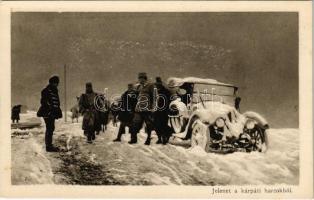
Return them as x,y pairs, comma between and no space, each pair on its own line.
304,9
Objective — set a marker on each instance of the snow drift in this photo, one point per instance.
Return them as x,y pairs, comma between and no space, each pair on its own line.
150,165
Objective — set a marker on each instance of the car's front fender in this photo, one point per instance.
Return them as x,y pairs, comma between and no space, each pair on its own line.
179,108
257,117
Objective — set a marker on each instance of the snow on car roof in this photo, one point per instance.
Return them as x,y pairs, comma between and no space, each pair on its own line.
175,82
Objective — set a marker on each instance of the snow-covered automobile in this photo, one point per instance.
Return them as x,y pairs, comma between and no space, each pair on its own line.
206,113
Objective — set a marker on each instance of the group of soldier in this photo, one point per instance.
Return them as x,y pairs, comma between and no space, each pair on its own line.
139,104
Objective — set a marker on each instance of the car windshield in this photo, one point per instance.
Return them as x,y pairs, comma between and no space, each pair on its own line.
220,90
208,92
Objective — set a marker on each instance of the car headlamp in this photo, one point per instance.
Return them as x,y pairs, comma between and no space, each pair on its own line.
220,122
250,124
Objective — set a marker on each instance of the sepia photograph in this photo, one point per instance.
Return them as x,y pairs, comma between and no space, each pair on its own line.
156,99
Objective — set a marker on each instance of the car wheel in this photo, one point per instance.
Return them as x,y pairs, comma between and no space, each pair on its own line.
199,136
263,139
260,140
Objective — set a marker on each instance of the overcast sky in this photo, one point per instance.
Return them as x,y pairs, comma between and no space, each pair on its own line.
256,51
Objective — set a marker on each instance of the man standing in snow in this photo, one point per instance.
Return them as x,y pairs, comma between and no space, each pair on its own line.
126,113
161,114
87,107
103,112
146,104
15,115
50,110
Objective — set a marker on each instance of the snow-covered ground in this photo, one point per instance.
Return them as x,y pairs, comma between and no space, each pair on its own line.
107,162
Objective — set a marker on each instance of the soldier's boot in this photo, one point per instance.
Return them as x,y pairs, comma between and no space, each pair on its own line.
90,137
149,132
147,142
132,142
117,140
52,149
133,139
159,141
164,140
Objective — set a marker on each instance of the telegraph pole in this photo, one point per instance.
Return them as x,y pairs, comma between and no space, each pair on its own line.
65,93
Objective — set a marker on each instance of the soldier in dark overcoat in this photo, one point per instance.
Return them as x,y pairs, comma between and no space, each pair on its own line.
126,113
146,103
161,114
87,107
15,114
50,110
